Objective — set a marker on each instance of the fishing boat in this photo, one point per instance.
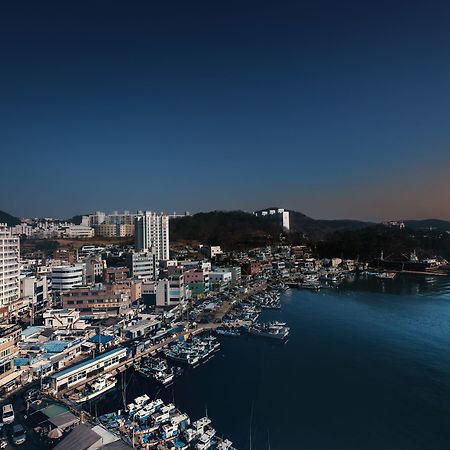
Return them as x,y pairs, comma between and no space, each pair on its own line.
182,356
94,389
157,370
227,331
153,424
272,330
138,403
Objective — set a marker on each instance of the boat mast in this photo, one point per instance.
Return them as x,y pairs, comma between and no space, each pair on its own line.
124,396
251,420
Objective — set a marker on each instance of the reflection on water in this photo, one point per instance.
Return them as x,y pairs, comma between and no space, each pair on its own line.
367,366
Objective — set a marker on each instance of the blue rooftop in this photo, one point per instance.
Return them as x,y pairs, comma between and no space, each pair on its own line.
32,330
101,339
58,346
21,362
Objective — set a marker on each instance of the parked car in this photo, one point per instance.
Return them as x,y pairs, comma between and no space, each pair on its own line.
8,414
19,434
32,394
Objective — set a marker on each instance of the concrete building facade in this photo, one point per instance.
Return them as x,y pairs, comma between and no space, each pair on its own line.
142,265
9,267
99,301
151,231
67,277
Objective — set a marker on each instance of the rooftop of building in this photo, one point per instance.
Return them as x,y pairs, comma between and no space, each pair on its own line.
9,328
87,362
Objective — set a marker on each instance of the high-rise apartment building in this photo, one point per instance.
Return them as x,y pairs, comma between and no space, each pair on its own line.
279,215
151,231
9,267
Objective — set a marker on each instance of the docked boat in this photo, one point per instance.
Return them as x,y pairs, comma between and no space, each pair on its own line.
386,275
272,330
182,356
154,424
193,351
138,403
157,370
228,331
311,285
94,389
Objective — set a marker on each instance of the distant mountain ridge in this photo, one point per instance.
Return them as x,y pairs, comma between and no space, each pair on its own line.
301,223
428,224
9,219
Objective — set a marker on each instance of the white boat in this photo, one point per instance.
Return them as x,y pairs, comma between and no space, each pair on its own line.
148,409
95,389
206,439
138,403
163,415
273,330
225,445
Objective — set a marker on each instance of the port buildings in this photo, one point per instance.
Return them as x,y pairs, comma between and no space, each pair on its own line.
86,369
9,270
280,215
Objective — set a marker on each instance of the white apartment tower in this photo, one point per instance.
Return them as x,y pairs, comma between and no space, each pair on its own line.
9,267
151,234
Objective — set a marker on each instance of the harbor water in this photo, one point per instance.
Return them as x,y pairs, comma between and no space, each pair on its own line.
367,366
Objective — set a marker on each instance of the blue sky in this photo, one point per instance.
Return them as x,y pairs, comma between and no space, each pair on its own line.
336,109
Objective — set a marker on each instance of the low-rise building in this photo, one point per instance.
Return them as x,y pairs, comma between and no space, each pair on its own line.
142,265
219,279
83,371
197,280
67,277
36,290
9,375
63,319
170,292
115,274
236,274
251,268
142,328
114,230
99,301
79,232
94,268
211,251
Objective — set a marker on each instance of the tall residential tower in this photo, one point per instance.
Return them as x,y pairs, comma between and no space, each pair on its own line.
151,232
9,267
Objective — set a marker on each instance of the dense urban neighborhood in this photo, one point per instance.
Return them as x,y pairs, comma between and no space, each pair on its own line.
84,304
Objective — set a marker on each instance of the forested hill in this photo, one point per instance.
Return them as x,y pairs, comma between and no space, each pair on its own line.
232,229
8,219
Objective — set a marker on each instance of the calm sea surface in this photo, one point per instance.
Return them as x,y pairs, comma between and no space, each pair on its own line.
367,366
